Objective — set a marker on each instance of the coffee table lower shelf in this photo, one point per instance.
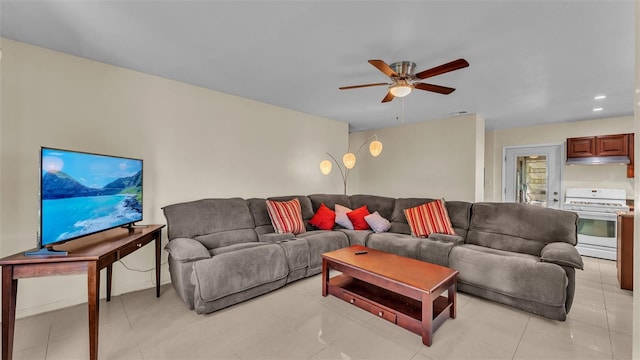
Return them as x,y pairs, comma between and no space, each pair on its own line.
396,308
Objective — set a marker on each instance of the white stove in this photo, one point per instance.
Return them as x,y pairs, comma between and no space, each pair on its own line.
597,223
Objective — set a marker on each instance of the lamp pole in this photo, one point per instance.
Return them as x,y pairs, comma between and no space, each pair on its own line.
345,174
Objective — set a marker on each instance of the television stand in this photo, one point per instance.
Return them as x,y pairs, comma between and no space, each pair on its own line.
46,251
132,226
87,255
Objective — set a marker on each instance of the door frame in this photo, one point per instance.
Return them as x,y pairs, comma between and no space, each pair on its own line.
562,158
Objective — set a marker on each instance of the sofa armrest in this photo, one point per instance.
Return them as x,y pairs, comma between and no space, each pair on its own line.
455,239
273,238
562,253
186,250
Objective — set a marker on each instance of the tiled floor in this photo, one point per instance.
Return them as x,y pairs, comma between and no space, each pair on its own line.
296,322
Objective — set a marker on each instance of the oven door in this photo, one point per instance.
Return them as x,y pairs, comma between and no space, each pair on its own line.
597,229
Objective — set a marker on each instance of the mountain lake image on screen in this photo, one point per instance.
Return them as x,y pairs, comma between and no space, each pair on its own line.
82,193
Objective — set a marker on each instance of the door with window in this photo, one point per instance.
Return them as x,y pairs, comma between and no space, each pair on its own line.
533,175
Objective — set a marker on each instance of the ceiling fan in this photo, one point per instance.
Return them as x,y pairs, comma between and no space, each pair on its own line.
403,80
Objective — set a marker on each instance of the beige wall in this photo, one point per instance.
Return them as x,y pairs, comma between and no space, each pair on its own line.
601,176
440,158
195,143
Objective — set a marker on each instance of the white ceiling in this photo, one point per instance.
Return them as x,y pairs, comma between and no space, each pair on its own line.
531,62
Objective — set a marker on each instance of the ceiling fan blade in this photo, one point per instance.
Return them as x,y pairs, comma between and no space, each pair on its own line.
444,68
388,98
382,66
361,86
435,88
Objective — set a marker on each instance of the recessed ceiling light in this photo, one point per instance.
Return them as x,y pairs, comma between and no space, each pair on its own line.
597,109
600,97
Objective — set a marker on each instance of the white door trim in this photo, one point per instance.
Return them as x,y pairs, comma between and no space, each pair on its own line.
562,159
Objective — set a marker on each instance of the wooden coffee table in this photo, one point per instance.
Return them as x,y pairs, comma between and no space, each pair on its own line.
404,291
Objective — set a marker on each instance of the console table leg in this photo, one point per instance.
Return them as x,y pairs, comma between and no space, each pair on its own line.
9,293
158,241
427,319
109,277
93,283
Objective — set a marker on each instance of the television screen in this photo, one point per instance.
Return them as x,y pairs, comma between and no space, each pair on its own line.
82,193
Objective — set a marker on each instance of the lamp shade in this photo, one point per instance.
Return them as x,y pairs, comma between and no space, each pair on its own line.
375,148
325,167
349,160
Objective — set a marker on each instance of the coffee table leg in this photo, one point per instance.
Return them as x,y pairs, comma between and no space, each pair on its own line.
427,319
325,278
452,295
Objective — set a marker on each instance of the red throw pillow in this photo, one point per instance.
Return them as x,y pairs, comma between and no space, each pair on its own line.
357,218
324,218
286,216
429,218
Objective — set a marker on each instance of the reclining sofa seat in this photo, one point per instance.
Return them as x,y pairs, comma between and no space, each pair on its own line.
224,251
215,258
519,255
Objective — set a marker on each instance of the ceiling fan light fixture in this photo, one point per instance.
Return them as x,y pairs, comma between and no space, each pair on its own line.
400,89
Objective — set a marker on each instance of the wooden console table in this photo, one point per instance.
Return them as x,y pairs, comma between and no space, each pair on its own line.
88,256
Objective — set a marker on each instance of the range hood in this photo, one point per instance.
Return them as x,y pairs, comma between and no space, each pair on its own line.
599,160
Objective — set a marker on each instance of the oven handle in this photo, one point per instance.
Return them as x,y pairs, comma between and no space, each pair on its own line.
597,215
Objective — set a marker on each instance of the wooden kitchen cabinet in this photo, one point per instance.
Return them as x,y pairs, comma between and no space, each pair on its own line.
581,147
607,145
612,145
624,261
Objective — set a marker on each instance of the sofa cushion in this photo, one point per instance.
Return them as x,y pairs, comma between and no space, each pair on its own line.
383,205
460,215
520,227
286,216
357,218
187,250
321,241
562,254
207,216
330,200
324,218
273,238
399,244
258,208
429,218
356,237
341,217
513,274
238,271
377,223
226,238
455,239
234,247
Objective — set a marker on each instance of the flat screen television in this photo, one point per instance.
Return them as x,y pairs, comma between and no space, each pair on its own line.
83,193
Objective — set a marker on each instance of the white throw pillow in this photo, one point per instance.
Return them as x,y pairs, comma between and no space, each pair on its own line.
342,218
377,222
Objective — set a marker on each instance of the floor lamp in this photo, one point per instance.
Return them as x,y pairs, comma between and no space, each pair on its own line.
349,159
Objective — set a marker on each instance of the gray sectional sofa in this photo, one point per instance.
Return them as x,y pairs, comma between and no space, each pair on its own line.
224,251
